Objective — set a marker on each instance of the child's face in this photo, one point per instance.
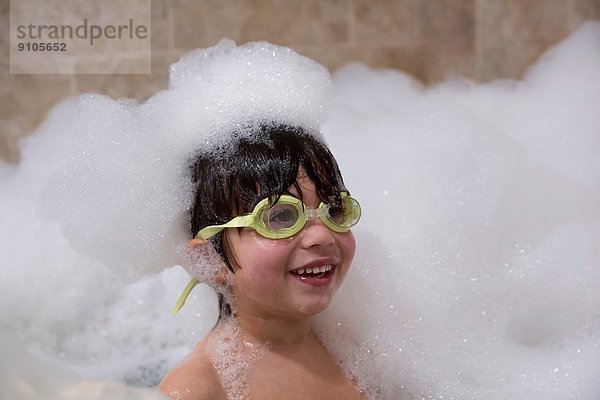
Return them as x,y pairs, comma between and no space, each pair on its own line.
267,282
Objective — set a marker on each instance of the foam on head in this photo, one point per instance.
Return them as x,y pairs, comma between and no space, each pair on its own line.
123,195
258,82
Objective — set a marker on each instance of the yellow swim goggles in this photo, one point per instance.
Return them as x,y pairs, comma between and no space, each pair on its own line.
288,216
283,219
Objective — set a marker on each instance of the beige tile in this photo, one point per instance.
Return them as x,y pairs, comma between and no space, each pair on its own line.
335,10
448,23
27,94
493,34
299,22
4,37
330,58
203,23
410,59
384,22
511,59
534,18
448,63
448,38
526,51
512,34
4,12
430,39
419,37
138,86
24,102
583,10
493,61
9,147
7,131
113,63
162,25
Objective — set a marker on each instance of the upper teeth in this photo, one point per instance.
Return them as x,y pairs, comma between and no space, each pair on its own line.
314,270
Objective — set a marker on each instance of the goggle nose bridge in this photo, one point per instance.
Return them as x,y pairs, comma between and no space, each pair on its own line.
320,212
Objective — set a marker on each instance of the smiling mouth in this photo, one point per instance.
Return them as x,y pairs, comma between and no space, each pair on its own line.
315,272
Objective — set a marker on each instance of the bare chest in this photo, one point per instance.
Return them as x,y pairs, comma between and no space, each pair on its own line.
305,376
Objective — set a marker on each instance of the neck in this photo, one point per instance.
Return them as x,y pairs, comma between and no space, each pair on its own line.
260,329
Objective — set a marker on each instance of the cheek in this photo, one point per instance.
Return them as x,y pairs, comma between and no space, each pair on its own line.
347,245
260,255
248,248
262,264
262,245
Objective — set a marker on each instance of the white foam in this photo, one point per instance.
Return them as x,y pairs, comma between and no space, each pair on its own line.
476,274
29,377
73,311
206,265
478,249
233,358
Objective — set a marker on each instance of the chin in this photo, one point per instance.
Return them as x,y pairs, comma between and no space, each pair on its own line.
315,307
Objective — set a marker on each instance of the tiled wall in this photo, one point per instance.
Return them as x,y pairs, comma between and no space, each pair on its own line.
430,39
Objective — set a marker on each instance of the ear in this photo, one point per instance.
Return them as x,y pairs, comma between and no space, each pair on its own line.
221,271
196,243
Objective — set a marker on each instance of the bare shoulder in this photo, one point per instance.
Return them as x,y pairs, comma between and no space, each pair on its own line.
194,379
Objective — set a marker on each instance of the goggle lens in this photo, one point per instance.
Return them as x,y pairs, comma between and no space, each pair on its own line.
347,215
280,217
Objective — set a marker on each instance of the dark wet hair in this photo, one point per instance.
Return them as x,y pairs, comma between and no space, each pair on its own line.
229,179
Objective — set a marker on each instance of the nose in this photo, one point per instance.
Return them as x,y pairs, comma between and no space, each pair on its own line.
316,233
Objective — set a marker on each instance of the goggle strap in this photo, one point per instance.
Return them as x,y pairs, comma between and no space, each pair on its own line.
238,222
184,295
